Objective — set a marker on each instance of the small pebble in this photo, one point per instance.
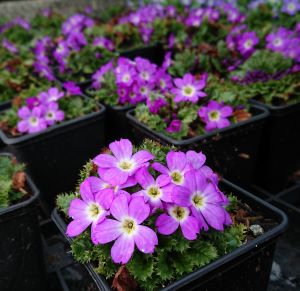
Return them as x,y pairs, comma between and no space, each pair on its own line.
256,229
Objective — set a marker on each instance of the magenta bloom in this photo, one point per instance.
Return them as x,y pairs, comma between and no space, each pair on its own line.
145,70
126,230
53,114
72,88
177,167
52,95
90,210
98,75
163,80
32,121
9,46
247,42
117,168
174,126
278,40
290,7
154,191
32,102
178,216
125,75
215,115
204,199
188,89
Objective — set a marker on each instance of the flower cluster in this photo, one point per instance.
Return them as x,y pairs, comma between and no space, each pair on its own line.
182,193
40,111
286,42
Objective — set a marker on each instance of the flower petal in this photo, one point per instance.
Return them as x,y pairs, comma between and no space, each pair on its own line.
105,161
144,178
190,228
76,227
121,149
138,209
106,231
119,207
77,209
105,198
122,249
196,160
214,215
86,191
166,224
146,239
96,184
160,168
142,157
115,176
176,160
163,180
181,196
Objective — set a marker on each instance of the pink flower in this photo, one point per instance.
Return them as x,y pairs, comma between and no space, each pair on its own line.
204,199
126,229
154,191
215,115
32,121
188,89
177,166
90,210
52,95
53,114
117,168
174,126
178,216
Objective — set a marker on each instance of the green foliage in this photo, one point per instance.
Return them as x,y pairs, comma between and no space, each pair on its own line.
183,63
8,169
265,61
63,201
108,93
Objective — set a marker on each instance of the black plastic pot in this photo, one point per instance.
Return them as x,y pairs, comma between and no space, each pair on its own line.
154,53
231,151
4,106
246,268
21,258
54,155
279,155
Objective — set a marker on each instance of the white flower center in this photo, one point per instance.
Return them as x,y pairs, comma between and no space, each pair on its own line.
291,7
129,226
126,165
50,115
177,177
198,200
214,115
277,41
94,211
188,90
145,76
248,44
154,192
33,121
179,213
126,78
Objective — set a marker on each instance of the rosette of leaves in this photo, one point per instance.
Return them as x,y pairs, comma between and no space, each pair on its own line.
12,181
173,258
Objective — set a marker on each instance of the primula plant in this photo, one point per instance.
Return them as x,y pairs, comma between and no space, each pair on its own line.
191,106
12,181
37,110
151,213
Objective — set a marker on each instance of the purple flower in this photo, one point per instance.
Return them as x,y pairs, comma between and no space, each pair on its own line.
215,115
22,23
76,40
32,102
32,121
177,167
145,70
188,89
98,75
204,199
246,43
155,105
72,88
61,50
118,168
174,126
163,80
167,61
154,191
52,95
9,46
104,42
53,114
277,41
127,230
290,7
125,75
89,210
178,216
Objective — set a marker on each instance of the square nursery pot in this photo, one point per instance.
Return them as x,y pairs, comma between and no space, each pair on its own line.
279,156
21,256
54,155
231,151
247,268
3,106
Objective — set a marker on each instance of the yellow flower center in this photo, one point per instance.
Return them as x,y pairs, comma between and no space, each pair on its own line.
179,212
198,200
214,115
177,177
188,90
126,165
94,210
129,225
154,192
